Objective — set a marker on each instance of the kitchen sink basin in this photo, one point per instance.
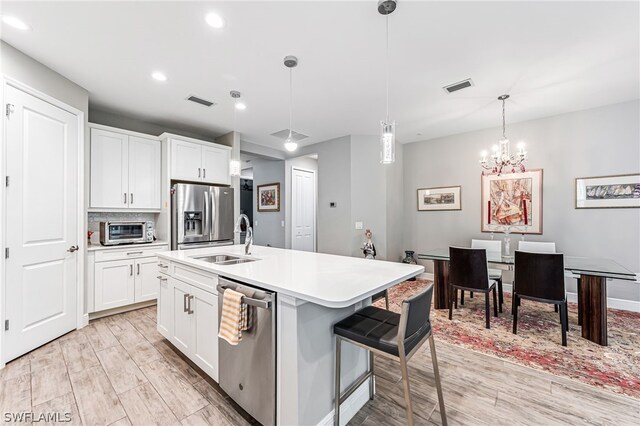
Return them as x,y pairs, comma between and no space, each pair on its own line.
225,259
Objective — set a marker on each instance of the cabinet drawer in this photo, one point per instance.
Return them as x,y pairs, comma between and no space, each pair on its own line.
131,252
203,280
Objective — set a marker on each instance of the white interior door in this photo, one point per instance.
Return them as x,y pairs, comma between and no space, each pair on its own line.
303,210
109,171
144,173
41,222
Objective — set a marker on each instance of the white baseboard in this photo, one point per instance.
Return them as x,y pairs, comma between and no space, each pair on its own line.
350,407
625,305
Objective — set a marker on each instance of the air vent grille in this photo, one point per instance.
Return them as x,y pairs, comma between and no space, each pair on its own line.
458,86
200,101
283,134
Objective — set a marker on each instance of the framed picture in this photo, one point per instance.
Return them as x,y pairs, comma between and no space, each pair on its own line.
438,199
269,197
608,192
512,201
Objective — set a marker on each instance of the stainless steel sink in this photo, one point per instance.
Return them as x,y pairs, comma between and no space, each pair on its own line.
225,259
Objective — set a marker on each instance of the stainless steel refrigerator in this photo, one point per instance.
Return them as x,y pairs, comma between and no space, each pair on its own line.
202,216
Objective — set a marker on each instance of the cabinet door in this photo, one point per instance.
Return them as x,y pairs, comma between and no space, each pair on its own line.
144,173
182,335
114,284
204,306
215,165
186,161
165,306
109,170
147,283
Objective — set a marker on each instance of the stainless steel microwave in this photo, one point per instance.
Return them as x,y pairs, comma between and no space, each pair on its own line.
113,233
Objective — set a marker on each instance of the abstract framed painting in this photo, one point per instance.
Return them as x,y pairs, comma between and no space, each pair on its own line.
269,197
608,192
439,199
512,202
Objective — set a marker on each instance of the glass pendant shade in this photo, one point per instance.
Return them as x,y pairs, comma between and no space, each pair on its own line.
290,144
234,168
387,142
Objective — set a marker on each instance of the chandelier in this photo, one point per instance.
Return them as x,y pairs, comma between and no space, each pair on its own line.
501,158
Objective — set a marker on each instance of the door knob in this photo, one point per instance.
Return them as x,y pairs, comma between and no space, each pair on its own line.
73,248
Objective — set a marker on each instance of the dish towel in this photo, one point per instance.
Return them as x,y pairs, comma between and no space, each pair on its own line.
234,319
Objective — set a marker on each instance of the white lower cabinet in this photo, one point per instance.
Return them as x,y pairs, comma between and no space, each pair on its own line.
123,277
188,317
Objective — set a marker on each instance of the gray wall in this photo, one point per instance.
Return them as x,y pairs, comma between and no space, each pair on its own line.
268,229
595,142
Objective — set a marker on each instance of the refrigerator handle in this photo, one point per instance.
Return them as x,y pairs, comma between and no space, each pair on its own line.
207,215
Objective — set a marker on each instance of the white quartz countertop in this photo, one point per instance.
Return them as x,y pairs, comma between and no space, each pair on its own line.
325,279
94,247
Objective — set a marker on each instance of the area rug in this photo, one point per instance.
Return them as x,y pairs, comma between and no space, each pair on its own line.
615,367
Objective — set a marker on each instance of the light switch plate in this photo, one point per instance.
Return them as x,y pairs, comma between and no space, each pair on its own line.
282,223
359,225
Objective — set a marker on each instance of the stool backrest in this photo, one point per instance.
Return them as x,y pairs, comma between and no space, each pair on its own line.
539,275
417,310
536,247
468,267
493,248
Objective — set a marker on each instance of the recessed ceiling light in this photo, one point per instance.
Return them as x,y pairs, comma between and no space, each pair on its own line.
214,20
159,76
14,22
240,106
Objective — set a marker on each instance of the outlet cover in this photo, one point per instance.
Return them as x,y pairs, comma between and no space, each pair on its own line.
359,225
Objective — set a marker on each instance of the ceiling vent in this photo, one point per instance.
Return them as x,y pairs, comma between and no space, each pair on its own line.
200,101
283,134
458,86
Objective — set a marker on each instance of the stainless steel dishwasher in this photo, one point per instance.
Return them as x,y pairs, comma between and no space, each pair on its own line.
247,372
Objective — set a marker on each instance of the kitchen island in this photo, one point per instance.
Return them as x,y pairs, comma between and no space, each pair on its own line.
312,292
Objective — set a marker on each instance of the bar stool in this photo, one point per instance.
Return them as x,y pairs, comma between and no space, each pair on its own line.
392,335
383,294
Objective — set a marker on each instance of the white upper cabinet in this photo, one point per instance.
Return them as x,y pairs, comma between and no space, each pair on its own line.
215,165
109,169
144,173
125,171
196,161
186,160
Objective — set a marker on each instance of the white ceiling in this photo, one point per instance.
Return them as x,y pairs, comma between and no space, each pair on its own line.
551,57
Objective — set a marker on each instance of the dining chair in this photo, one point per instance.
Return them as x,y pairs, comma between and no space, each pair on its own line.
540,277
384,294
494,253
536,247
392,335
468,270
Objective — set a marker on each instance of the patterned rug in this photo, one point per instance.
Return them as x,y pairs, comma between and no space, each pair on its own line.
615,367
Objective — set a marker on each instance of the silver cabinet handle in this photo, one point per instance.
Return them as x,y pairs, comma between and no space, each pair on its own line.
161,278
184,302
131,270
137,269
198,171
131,198
131,253
204,173
73,249
190,299
163,266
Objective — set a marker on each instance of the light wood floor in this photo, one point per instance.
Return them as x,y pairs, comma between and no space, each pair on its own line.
120,371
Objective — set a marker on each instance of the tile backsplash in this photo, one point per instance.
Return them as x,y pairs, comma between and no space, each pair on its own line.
94,219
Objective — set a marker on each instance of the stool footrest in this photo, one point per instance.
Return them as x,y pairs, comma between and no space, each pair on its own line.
351,389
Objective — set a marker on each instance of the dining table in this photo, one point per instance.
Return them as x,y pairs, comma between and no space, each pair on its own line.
591,273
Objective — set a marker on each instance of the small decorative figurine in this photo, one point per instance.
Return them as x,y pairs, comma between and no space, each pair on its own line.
368,249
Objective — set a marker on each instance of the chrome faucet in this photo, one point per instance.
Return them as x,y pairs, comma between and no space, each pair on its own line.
248,240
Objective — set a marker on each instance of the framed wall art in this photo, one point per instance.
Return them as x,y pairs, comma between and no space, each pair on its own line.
512,202
269,197
607,192
438,199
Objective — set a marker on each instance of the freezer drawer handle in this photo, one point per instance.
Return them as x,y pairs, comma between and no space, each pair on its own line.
264,304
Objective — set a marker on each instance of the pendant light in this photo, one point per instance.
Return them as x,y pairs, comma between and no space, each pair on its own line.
387,126
235,168
290,144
